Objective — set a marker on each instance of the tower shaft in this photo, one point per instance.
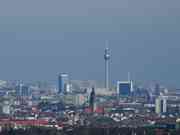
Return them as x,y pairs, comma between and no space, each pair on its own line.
107,58
107,74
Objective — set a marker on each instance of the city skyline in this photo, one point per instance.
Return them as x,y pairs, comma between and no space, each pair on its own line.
87,67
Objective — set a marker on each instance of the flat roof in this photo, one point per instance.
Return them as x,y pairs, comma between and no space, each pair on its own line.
123,82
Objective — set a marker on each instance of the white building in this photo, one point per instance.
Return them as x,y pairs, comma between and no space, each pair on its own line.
6,109
76,99
161,105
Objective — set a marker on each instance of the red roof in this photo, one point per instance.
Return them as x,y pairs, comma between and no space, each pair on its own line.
99,110
31,122
25,122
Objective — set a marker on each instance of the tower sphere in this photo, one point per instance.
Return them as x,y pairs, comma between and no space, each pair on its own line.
107,54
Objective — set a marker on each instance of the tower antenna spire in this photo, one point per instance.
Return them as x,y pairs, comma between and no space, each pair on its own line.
129,77
107,43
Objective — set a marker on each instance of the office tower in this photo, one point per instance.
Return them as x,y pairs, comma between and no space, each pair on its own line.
132,87
164,105
129,80
161,105
107,59
157,89
158,106
64,83
92,100
124,88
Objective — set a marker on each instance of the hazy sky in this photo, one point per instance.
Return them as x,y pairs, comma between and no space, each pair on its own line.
40,38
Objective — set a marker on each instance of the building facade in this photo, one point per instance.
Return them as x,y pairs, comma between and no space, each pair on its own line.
23,91
161,105
124,88
64,83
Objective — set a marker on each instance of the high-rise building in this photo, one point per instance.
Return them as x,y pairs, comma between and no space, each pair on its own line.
157,89
92,100
124,88
129,80
161,105
107,59
64,83
158,106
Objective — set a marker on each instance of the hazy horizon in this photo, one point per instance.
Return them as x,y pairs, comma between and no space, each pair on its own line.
39,39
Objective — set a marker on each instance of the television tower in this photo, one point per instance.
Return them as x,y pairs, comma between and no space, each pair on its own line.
107,58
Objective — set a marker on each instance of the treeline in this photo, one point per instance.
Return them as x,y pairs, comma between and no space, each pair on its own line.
89,131
32,131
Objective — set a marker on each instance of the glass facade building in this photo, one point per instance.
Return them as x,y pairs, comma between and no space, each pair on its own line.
124,88
63,81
